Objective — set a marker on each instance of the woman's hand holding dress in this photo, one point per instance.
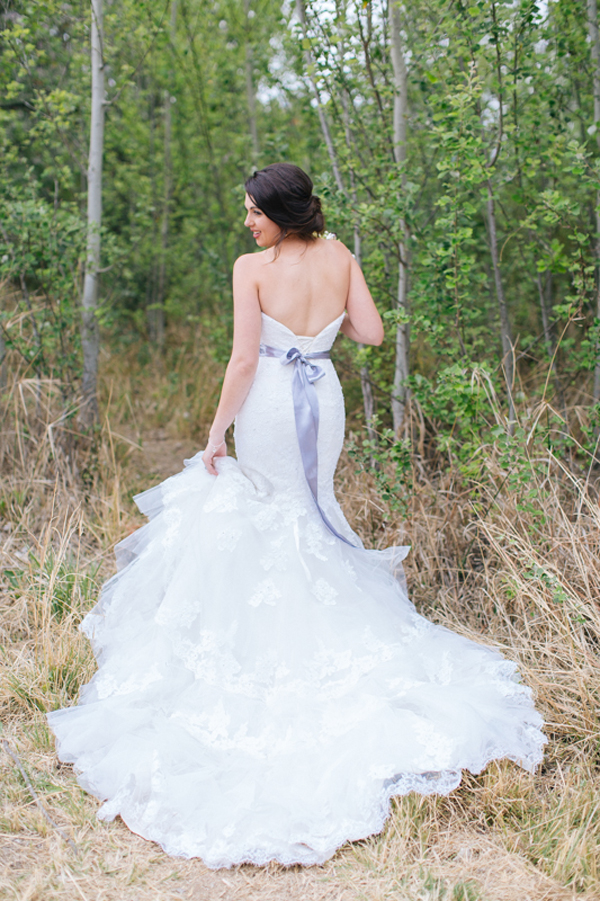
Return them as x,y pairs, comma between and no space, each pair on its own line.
210,453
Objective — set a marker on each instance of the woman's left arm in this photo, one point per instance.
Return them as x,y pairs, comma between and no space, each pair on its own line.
241,368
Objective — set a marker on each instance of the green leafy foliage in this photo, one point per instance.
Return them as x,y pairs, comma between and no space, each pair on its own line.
389,459
500,106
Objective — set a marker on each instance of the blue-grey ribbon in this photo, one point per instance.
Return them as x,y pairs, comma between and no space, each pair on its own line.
306,414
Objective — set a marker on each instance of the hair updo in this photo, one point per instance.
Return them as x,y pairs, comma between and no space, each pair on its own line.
283,192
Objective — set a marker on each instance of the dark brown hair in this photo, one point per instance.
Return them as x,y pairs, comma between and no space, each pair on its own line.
283,192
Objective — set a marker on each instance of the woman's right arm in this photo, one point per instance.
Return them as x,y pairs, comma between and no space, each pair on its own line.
363,322
241,368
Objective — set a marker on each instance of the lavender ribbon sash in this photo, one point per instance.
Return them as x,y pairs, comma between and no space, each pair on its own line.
306,414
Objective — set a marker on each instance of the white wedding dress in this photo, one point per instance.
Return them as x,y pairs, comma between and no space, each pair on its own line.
263,687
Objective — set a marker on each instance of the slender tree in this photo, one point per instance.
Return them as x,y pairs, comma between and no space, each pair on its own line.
508,361
250,89
401,367
90,337
2,362
365,380
505,329
592,8
310,69
159,320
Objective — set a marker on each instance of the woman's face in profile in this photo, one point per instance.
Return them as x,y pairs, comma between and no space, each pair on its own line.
264,231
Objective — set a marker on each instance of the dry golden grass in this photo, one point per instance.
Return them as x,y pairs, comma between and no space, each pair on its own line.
483,563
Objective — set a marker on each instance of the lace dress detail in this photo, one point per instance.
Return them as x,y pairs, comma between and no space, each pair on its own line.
263,688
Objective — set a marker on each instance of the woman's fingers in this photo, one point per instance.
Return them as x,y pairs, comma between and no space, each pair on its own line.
208,458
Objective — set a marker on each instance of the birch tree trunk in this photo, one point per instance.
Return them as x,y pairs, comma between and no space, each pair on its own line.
401,367
301,13
90,338
508,363
158,312
157,330
250,90
592,7
365,378
544,305
2,362
152,281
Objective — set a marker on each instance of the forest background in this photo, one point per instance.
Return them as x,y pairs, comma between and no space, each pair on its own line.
455,146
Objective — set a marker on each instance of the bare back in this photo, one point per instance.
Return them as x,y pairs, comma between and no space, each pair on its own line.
306,286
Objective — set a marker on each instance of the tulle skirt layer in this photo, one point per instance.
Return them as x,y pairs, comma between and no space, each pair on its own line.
263,689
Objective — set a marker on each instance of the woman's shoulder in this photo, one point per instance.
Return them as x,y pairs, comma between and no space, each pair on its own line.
334,249
248,261
333,243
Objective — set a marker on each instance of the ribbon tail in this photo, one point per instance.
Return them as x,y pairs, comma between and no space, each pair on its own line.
306,414
332,528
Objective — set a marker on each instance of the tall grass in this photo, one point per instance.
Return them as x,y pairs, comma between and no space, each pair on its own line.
509,561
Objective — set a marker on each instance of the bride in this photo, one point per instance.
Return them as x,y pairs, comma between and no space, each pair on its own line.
264,685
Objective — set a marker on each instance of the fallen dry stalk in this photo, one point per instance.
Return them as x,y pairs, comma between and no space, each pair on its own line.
35,796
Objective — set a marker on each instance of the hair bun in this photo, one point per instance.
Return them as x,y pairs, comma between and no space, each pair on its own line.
284,193
317,224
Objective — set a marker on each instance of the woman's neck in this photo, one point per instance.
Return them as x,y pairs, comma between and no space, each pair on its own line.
291,246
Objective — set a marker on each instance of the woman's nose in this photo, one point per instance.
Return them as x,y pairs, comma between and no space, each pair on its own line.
247,220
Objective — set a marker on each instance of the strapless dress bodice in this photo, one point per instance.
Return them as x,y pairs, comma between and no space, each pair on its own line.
276,334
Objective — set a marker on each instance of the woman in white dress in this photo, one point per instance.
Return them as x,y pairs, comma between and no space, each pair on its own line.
264,685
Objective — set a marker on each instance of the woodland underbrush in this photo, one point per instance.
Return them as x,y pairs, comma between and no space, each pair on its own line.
505,541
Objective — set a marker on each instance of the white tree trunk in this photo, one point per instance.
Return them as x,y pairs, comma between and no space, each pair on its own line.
505,330
301,13
2,362
158,313
158,309
250,90
365,378
401,367
90,338
592,8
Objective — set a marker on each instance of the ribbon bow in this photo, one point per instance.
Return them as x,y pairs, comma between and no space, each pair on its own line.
306,414
311,371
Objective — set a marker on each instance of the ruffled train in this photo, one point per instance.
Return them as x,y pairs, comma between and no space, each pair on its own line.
263,689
